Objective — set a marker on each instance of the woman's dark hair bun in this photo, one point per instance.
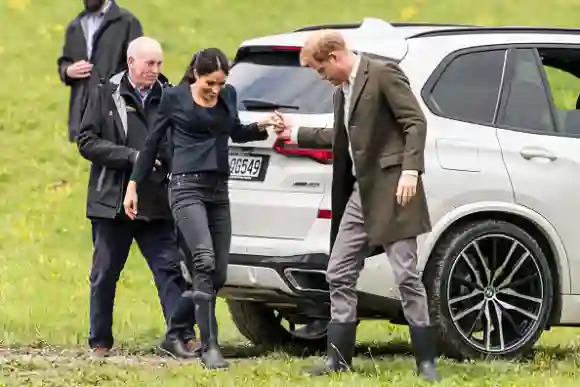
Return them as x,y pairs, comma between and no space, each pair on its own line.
205,62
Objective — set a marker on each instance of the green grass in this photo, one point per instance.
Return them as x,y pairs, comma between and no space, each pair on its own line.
45,248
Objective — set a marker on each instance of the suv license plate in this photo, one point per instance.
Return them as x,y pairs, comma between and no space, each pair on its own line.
250,167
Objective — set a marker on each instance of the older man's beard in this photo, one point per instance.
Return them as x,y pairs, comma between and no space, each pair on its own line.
93,5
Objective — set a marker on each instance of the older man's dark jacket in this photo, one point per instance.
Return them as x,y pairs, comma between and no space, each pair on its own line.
109,57
113,130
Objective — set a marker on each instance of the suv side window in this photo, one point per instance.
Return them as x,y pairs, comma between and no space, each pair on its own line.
561,65
525,101
469,87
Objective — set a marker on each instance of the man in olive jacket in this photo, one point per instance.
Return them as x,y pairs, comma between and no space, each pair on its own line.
378,199
94,49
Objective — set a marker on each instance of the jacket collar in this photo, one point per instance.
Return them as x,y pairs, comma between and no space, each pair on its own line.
111,12
116,79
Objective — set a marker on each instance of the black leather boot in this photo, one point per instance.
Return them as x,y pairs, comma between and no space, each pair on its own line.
425,346
178,323
341,339
211,356
176,348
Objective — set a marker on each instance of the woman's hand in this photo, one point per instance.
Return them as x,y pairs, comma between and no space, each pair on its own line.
130,202
275,121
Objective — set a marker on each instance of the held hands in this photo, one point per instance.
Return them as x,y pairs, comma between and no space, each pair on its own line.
130,202
407,187
282,127
275,121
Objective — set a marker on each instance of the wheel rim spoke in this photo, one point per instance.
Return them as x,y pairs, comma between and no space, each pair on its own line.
483,262
466,312
500,270
473,270
499,319
475,321
517,266
513,293
521,281
475,292
495,293
513,324
464,282
278,317
517,309
488,326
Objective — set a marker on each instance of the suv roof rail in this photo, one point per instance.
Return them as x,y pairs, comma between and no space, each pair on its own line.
495,30
394,24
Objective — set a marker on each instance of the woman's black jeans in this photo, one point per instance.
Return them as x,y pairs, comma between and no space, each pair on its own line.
201,209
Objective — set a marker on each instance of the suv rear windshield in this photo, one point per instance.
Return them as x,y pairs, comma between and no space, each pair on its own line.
276,77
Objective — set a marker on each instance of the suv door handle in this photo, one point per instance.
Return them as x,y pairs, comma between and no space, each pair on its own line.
533,153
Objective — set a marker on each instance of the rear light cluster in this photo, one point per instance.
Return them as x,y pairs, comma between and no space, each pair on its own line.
324,214
288,148
286,48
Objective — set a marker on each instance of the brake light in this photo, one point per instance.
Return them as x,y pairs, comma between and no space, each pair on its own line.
324,214
286,48
322,156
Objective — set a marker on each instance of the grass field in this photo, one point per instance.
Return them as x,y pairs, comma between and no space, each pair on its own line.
45,247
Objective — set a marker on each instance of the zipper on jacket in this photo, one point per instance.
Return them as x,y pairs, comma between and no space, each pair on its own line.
120,203
101,179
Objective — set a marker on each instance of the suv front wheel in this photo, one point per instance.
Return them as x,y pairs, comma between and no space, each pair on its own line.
490,290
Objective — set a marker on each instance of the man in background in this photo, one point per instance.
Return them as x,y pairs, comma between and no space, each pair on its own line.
94,49
112,132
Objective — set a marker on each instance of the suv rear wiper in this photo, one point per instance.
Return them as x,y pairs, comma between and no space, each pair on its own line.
256,104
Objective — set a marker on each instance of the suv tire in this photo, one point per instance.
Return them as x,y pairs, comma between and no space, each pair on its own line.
259,324
441,277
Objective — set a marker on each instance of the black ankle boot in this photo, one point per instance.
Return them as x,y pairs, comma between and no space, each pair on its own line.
425,346
177,326
341,338
176,348
211,355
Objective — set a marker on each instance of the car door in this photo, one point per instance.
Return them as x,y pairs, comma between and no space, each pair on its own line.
541,156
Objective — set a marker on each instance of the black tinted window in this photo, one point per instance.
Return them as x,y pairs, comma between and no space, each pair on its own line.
526,105
277,77
468,89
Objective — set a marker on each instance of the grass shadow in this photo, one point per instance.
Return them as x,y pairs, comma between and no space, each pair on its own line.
556,352
393,348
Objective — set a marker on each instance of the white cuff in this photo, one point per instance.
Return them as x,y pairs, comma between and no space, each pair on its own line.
294,134
410,172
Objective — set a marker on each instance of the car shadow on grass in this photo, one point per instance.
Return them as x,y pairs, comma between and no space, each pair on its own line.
395,349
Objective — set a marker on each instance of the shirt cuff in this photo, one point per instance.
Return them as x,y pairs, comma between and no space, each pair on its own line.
410,172
294,134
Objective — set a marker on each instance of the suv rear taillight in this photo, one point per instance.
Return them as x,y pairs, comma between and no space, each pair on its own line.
288,148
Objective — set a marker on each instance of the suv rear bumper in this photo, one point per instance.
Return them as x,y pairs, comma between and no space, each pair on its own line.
298,283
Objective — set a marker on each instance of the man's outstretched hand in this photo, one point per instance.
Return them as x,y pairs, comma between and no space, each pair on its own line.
282,127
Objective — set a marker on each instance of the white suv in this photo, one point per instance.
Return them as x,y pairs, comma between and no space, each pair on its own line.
502,171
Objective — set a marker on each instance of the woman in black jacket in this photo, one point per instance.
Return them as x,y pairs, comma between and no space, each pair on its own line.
199,116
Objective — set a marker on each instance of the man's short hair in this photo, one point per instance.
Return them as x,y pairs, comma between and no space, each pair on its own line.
321,44
142,43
